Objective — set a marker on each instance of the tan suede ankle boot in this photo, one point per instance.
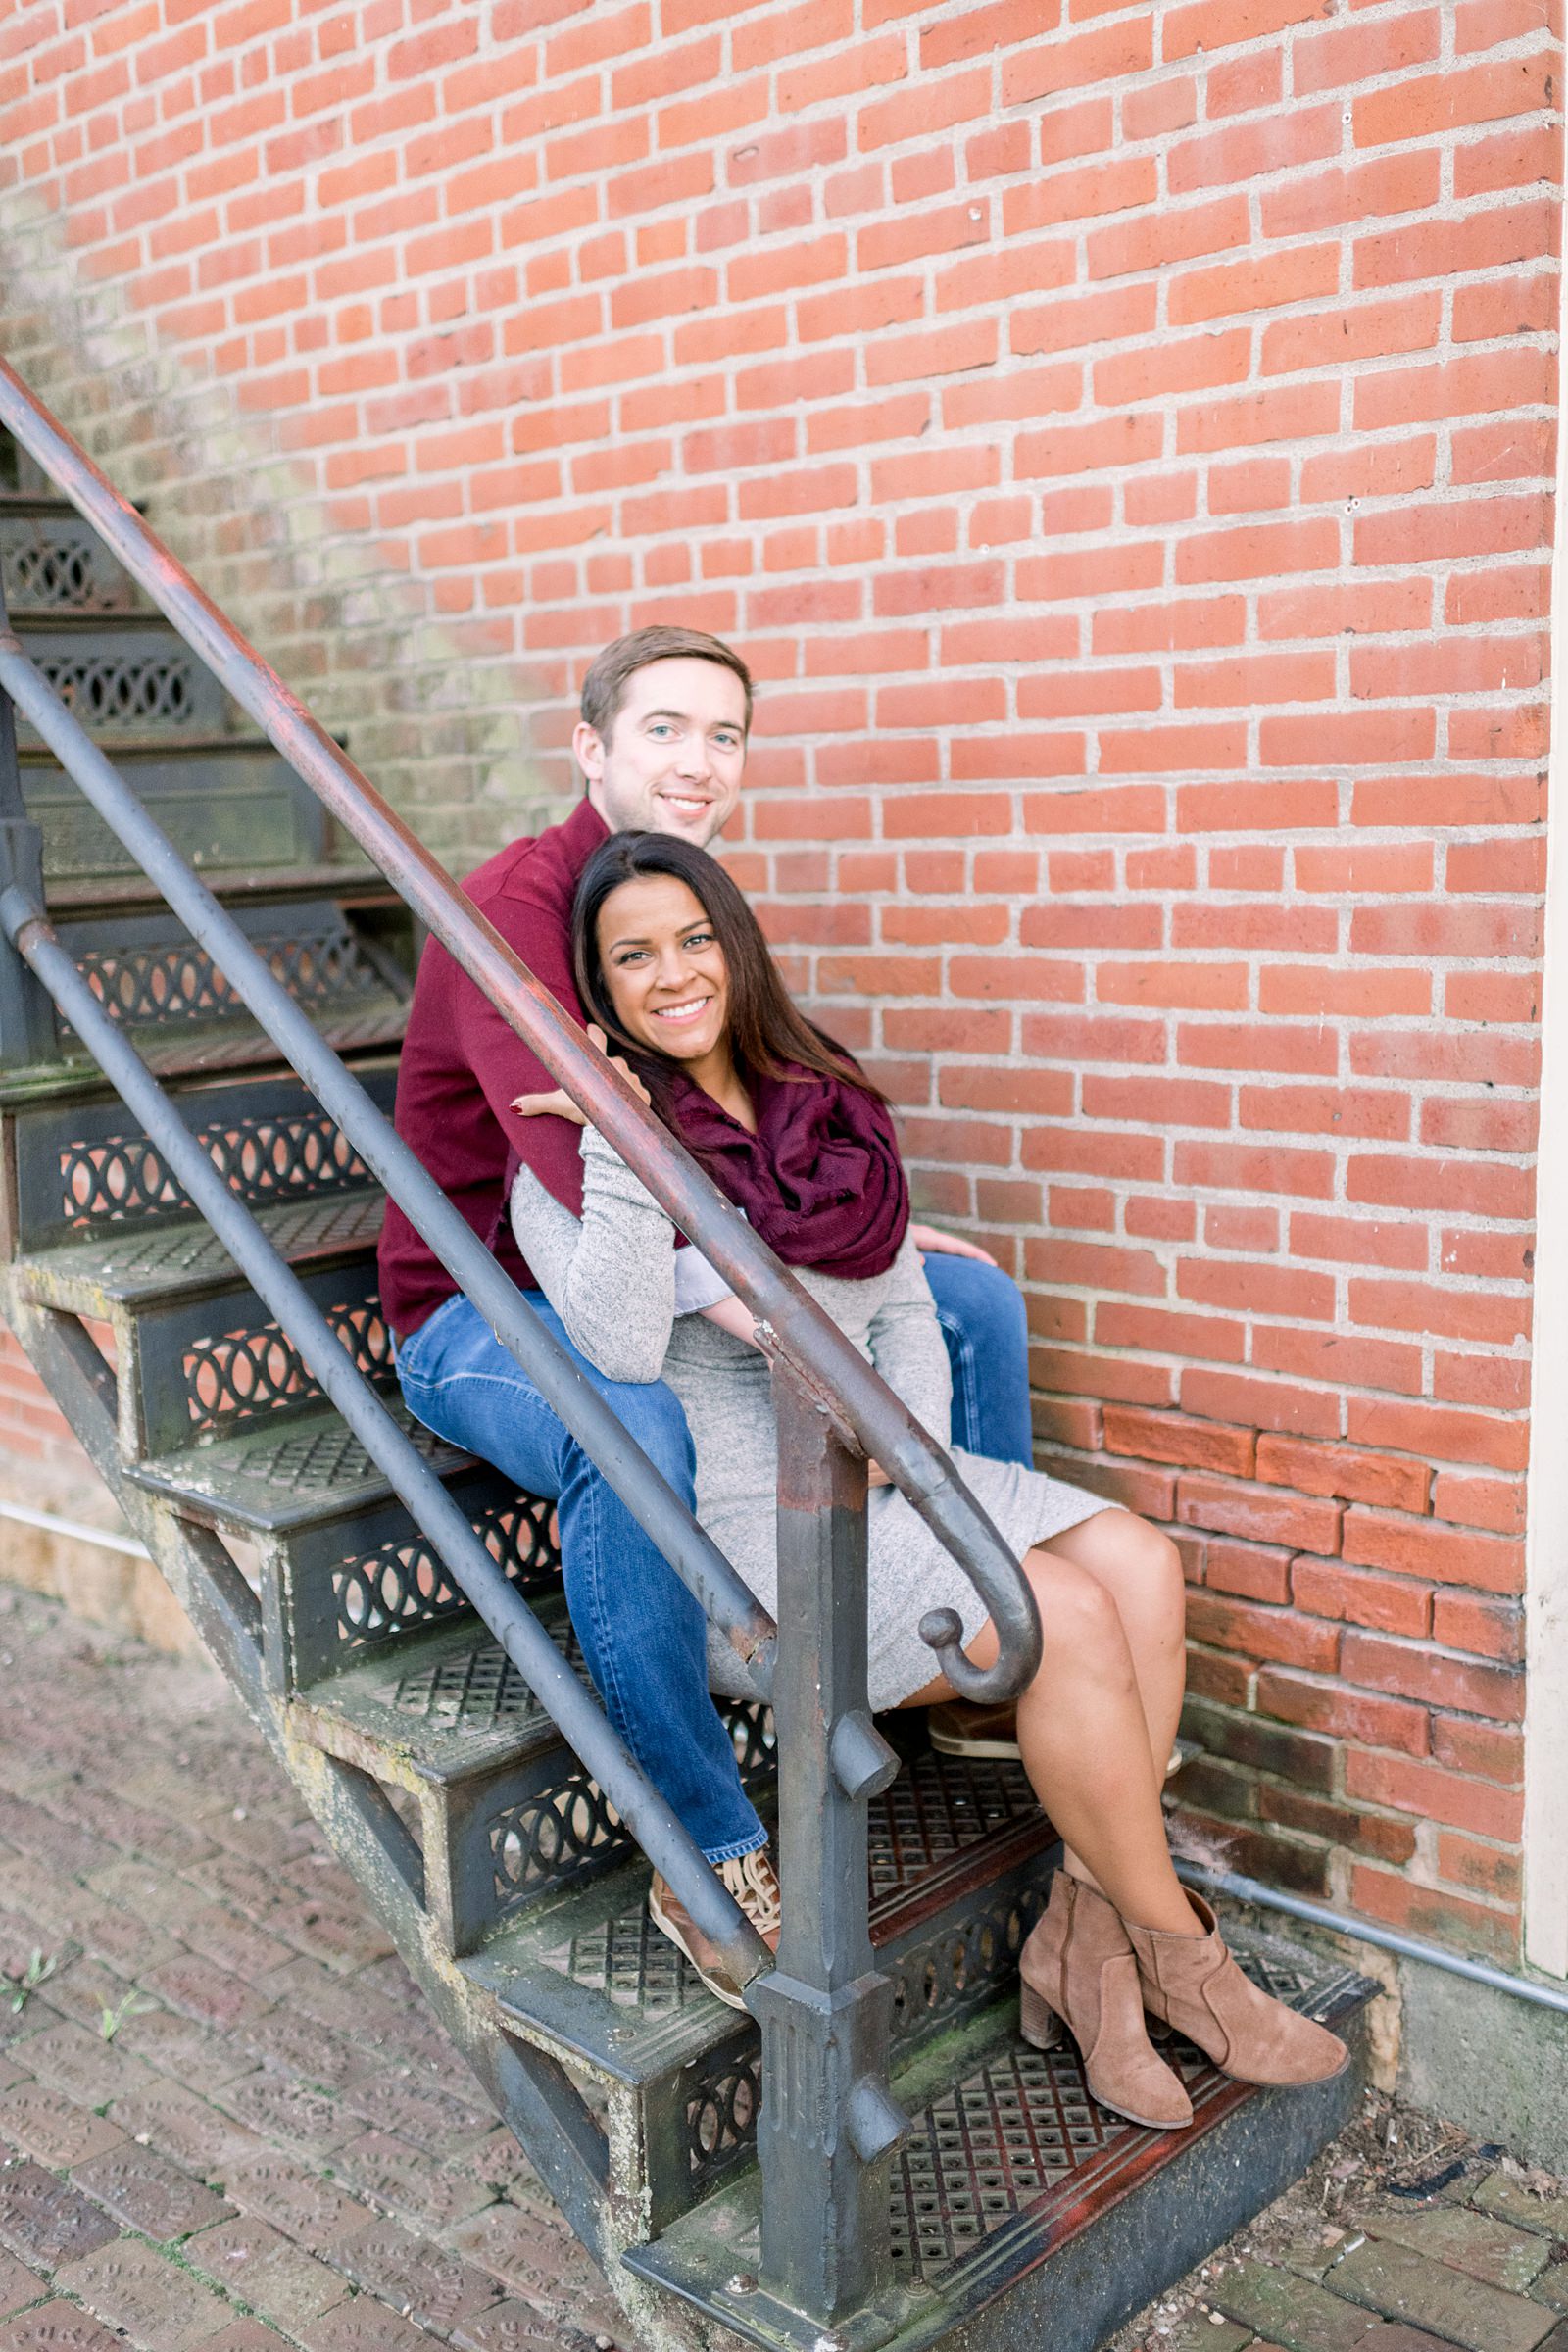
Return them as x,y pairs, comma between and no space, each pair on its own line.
1194,1985
1079,1972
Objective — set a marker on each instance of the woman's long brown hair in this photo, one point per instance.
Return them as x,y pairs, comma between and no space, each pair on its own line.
769,1036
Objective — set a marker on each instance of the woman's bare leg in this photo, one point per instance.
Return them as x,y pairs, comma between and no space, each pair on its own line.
1142,1571
1086,1745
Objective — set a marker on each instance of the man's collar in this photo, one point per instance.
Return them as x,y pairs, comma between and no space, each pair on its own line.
582,832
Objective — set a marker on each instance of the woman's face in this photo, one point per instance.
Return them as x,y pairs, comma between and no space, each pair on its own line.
663,970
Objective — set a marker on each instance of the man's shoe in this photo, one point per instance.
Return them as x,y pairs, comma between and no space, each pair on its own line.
958,1729
753,1883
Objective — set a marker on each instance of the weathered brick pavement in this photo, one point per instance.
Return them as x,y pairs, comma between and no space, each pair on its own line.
1476,2261
276,2148
1404,2236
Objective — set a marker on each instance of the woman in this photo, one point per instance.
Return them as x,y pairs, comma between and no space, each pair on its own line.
674,970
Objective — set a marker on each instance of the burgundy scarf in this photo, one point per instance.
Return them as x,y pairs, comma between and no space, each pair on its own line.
821,1180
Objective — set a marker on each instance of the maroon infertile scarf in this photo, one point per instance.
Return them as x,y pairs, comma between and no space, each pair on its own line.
821,1180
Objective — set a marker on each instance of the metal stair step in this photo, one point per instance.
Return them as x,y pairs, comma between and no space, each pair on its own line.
83,1169
130,675
509,1814
199,1052
436,1707
148,971
239,1044
349,877
1022,2211
130,741
170,994
951,1843
194,1369
283,1472
346,1591
53,563
183,1258
224,802
960,1860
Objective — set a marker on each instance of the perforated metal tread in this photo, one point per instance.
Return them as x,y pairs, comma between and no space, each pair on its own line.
289,1471
241,1045
179,1257
1013,2176
131,742
589,1974
339,878
447,1705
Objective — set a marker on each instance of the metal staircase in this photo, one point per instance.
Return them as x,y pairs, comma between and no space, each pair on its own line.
188,1259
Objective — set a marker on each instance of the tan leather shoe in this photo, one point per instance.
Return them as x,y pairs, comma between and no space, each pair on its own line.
1079,1972
958,1729
1194,1985
753,1883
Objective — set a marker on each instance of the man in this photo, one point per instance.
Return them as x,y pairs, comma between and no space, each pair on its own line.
662,744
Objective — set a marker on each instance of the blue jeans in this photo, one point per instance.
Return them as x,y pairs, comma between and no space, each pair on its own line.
643,1634
982,1316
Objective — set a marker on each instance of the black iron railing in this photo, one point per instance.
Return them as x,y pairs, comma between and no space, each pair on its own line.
824,2010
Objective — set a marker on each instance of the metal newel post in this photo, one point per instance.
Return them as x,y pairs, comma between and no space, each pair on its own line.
27,1032
828,2123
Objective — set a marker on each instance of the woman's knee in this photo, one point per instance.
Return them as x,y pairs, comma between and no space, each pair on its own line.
1154,1564
1137,1564
1078,1616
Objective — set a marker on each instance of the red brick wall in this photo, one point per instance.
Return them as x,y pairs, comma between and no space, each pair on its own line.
1123,447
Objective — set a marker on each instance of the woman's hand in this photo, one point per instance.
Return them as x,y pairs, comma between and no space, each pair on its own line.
558,1104
948,1244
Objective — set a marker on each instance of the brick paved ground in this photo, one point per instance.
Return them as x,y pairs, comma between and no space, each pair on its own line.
1436,2244
275,2147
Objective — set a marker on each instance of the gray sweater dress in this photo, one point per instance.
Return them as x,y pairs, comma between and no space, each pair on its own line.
611,1277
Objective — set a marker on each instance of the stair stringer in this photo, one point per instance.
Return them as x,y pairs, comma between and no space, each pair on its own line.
598,2177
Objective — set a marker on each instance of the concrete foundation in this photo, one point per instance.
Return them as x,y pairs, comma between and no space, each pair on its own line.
71,1547
1494,2063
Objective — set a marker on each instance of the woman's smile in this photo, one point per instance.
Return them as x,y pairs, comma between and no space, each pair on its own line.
689,1010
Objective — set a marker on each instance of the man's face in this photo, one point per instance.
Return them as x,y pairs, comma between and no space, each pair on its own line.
676,750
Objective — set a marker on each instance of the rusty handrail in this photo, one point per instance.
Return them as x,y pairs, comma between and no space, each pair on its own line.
792,1324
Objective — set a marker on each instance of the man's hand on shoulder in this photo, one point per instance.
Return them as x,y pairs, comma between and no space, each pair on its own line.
927,1238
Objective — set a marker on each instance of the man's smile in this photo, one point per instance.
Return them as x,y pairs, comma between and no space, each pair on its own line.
682,802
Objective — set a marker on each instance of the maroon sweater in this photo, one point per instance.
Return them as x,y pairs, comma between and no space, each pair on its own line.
461,1065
